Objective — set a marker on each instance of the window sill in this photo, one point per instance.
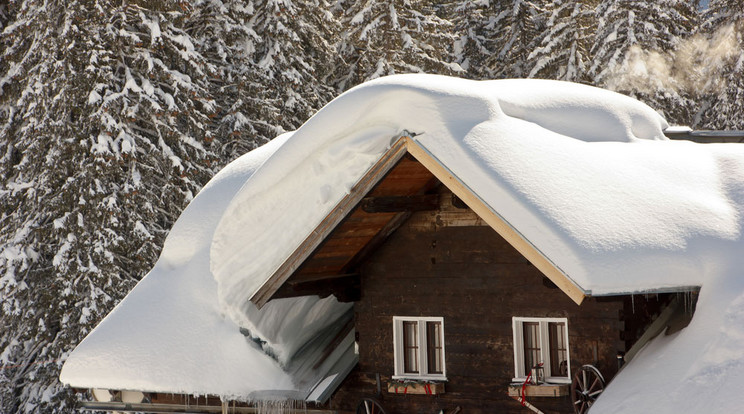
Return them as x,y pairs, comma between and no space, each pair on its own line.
418,378
424,388
542,390
548,380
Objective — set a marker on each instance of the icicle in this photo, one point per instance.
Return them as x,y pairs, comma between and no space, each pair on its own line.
286,406
689,302
632,303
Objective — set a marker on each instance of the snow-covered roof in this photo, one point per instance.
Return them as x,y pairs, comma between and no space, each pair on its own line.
584,175
170,334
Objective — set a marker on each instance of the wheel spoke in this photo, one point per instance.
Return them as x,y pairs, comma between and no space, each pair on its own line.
369,406
583,375
596,381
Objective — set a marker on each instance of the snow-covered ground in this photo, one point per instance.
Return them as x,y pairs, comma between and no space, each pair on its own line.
584,174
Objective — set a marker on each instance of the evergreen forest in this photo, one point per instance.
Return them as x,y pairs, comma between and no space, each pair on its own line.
114,113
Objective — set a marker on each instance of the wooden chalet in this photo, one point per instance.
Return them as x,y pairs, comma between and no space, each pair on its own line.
453,308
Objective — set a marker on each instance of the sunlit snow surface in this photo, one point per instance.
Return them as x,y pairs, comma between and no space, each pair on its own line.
584,174
168,334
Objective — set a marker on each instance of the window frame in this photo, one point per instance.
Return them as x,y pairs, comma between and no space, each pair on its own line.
423,348
544,341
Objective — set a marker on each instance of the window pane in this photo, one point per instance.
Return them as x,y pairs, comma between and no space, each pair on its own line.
410,347
558,351
434,347
531,333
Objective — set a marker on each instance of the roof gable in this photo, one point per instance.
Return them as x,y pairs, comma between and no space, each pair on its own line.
312,248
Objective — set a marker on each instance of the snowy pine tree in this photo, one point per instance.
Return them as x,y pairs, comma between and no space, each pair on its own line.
724,104
634,52
105,125
563,47
473,21
4,14
384,37
624,24
222,32
294,57
514,34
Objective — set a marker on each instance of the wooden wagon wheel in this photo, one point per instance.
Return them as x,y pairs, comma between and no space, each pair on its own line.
586,387
370,406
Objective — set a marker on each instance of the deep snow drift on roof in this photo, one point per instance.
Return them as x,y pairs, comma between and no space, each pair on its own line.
169,335
584,174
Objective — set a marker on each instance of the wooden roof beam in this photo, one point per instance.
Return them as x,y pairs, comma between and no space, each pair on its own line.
299,279
378,240
345,289
397,204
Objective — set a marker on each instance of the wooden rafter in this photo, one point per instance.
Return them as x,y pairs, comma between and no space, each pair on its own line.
397,204
315,277
378,239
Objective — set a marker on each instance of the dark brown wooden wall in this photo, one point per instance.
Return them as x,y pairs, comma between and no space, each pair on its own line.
444,264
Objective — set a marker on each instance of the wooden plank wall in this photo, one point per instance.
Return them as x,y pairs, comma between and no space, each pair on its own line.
448,264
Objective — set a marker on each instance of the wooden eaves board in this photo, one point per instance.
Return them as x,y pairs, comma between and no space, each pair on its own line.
371,178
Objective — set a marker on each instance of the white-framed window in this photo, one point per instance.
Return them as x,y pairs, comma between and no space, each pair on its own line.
541,340
419,347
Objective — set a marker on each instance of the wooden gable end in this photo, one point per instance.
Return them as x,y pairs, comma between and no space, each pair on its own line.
331,268
403,181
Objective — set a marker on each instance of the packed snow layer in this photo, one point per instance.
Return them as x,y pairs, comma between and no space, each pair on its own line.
170,335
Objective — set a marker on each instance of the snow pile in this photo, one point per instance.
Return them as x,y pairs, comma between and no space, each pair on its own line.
696,370
584,174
